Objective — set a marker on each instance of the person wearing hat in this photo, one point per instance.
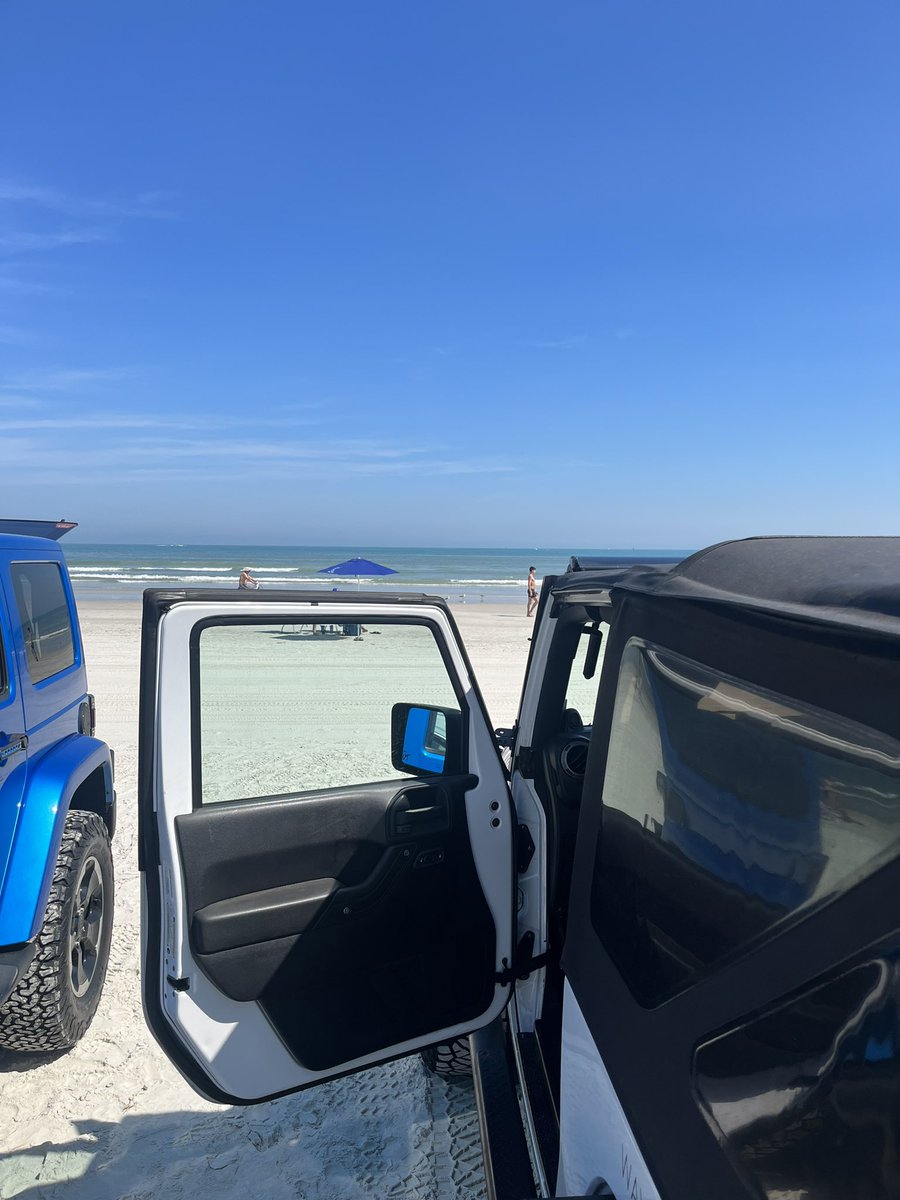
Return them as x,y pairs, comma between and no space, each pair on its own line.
246,580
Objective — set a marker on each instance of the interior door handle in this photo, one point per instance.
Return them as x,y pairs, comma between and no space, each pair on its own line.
425,813
408,819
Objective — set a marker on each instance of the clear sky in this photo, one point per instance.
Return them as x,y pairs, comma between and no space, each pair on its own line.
597,273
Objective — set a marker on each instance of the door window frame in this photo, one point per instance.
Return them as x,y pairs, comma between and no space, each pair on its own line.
274,621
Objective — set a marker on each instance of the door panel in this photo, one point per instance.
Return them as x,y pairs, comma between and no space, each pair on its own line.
346,944
297,935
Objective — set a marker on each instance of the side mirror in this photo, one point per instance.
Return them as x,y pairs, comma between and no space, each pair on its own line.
426,740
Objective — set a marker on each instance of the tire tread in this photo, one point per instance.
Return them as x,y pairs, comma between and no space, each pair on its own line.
36,1016
450,1060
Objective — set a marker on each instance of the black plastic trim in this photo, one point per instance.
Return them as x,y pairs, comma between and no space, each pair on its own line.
258,916
541,1101
507,1165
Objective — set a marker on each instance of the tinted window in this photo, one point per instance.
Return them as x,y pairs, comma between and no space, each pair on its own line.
45,618
799,1097
284,709
727,810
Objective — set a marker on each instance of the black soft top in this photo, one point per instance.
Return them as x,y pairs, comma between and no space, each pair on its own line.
587,562
844,580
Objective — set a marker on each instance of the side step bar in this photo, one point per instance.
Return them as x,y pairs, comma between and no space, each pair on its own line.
507,1166
508,1171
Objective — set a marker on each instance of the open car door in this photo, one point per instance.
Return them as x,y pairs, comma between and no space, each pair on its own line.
326,837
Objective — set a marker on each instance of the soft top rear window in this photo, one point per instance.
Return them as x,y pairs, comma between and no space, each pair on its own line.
728,810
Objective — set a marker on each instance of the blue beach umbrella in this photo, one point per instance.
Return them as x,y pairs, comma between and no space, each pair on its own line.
357,567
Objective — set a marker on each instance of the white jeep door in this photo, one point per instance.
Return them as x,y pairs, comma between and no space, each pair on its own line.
326,837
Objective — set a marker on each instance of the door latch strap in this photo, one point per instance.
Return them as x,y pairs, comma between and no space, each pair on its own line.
524,961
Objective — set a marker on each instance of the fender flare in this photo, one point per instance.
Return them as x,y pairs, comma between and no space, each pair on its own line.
49,789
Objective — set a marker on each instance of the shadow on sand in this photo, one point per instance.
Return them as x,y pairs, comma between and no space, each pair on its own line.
229,1155
372,1137
14,1062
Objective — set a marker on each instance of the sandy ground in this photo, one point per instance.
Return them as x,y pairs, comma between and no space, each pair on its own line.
113,1120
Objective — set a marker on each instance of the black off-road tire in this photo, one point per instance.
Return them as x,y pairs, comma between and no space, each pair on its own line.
45,1011
450,1060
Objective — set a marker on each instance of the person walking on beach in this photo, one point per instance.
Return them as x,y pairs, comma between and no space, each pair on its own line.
246,580
532,593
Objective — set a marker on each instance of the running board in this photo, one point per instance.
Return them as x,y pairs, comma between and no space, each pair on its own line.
508,1172
507,1166
540,1100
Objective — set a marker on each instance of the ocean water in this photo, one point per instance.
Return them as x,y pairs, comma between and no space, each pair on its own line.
495,575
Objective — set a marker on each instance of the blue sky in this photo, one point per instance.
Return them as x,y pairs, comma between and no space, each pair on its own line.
591,273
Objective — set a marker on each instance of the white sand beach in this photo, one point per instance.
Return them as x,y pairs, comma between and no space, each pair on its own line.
112,1119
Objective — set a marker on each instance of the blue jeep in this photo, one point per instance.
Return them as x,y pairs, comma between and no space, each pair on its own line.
57,805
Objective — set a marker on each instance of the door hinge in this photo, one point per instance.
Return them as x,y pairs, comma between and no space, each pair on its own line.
524,849
524,961
524,763
506,738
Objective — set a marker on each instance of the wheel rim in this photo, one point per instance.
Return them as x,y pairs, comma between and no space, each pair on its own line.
86,929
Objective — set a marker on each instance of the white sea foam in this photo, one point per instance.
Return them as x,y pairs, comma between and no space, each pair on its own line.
488,582
167,575
75,570
140,569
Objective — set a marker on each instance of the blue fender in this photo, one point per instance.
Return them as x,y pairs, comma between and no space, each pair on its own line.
49,789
